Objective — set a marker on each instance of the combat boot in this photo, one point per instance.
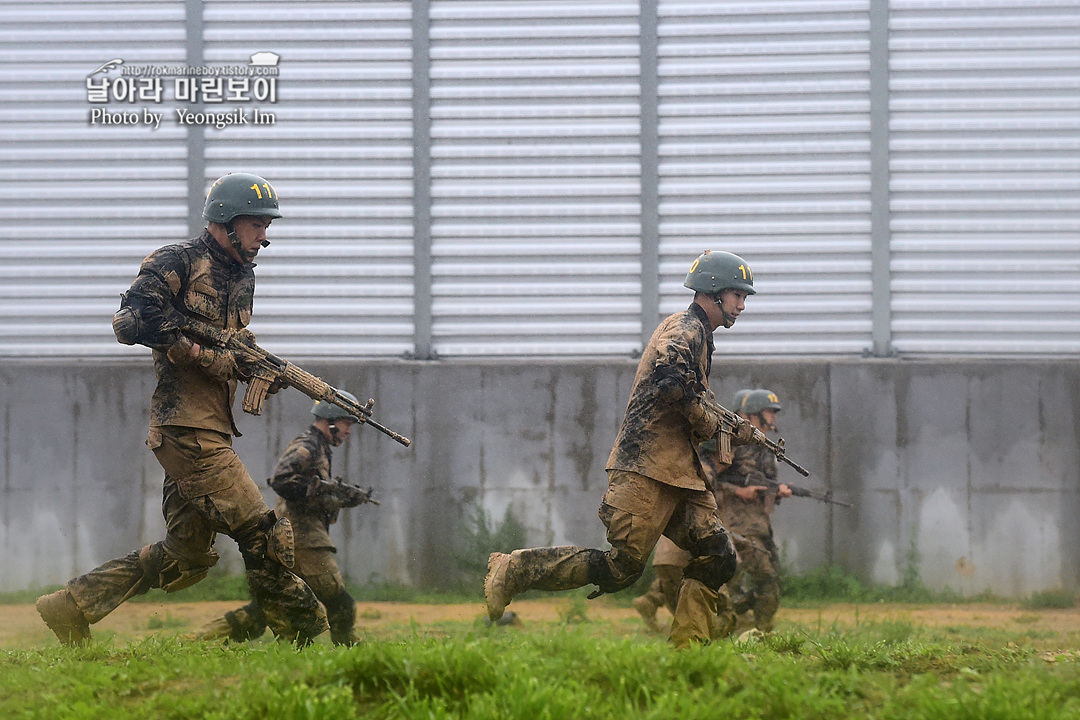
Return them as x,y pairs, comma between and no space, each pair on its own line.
280,546
345,638
218,629
64,617
564,567
240,625
647,610
752,634
497,591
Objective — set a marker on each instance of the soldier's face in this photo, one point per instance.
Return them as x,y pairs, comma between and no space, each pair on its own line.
344,426
252,233
727,305
768,418
733,302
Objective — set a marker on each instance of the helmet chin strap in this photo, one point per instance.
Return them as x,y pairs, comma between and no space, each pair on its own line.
729,320
335,438
234,240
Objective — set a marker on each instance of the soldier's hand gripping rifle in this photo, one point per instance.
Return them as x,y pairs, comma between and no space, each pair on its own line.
351,495
265,369
731,424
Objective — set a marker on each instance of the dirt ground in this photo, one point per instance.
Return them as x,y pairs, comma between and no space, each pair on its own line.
21,628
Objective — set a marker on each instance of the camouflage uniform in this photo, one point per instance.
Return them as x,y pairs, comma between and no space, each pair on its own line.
655,487
207,489
756,585
312,501
668,562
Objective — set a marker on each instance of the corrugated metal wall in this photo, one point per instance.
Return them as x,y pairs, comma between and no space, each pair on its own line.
765,151
337,278
535,190
80,204
985,141
575,165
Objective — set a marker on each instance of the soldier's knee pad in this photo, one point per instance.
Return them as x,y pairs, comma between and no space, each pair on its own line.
271,540
716,563
615,572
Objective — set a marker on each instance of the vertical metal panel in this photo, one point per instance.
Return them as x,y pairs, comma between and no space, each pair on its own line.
196,134
764,151
985,149
337,278
650,169
80,204
535,177
880,228
421,101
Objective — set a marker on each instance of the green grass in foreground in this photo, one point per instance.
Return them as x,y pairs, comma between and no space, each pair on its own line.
888,671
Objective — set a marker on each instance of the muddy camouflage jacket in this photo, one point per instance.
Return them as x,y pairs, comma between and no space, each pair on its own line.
198,280
752,465
656,437
308,496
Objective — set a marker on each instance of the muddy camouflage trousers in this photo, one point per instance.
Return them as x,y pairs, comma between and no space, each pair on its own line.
636,511
664,590
756,585
664,593
206,491
317,568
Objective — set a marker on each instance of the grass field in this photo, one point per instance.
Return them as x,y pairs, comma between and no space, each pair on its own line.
567,659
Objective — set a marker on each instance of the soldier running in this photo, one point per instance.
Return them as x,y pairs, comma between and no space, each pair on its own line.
207,490
655,481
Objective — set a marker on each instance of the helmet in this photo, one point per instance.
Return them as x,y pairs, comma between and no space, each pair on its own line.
716,271
760,399
740,399
328,411
240,194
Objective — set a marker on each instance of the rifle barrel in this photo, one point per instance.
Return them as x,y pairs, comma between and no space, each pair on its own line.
387,431
825,497
798,468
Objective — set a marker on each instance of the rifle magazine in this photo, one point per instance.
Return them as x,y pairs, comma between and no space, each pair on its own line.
257,390
724,451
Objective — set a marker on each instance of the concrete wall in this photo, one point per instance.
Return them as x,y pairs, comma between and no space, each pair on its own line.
971,465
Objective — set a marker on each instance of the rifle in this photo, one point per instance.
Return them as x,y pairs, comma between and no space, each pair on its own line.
350,495
266,369
825,497
731,420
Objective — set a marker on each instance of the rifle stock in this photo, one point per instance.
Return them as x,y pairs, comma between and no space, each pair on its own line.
268,368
